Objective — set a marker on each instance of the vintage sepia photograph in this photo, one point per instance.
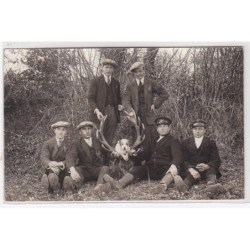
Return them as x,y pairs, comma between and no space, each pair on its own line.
126,124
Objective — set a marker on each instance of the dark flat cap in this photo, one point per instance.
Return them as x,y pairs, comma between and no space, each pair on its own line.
85,124
135,66
60,124
106,61
163,120
198,123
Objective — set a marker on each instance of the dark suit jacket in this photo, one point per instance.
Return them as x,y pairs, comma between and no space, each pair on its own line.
80,154
207,153
97,96
167,151
51,152
150,88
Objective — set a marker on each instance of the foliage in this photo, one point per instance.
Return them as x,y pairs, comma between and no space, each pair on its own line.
204,82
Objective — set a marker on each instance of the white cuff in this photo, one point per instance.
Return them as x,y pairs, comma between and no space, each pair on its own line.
95,111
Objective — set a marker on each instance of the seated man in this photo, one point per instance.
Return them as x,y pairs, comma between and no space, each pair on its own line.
201,156
53,158
163,164
84,160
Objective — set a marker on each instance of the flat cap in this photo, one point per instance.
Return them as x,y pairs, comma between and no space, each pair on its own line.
60,124
106,61
163,120
85,124
136,65
198,123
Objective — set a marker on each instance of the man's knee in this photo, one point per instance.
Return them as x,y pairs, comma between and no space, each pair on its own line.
54,181
105,169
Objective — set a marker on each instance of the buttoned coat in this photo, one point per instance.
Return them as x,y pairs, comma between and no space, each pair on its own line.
167,151
80,154
51,152
151,88
97,96
207,153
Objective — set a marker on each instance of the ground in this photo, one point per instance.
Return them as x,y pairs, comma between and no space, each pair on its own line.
22,178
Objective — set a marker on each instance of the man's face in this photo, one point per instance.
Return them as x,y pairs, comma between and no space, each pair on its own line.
139,73
198,132
163,129
60,132
86,132
107,69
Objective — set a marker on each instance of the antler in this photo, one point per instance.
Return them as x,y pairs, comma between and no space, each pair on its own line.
101,138
140,136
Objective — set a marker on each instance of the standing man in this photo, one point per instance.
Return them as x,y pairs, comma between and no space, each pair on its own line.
201,156
84,161
140,96
53,158
104,99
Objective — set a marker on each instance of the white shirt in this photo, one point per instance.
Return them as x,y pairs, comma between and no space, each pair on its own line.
59,142
161,136
138,81
198,141
107,79
89,141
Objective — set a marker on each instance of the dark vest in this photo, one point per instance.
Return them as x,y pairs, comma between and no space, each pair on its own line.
109,96
94,156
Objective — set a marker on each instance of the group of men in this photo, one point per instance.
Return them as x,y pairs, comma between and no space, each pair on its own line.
70,164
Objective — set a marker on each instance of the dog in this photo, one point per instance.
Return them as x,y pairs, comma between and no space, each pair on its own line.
122,147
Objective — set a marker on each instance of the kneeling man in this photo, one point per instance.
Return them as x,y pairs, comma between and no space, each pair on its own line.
163,164
84,161
53,157
201,156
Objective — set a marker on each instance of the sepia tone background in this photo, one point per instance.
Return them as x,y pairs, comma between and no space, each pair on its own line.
42,86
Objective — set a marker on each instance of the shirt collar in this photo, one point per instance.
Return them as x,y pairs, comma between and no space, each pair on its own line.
107,77
199,139
138,81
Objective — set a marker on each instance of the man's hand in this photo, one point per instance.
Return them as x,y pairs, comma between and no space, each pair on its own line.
153,108
99,114
56,170
173,170
115,154
74,174
202,167
120,107
194,173
132,152
53,164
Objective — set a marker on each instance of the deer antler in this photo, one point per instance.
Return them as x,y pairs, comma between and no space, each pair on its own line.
140,136
101,138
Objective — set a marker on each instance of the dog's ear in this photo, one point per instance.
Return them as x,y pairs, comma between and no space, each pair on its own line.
120,142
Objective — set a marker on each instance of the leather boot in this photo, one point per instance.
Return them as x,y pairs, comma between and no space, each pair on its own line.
45,183
113,183
180,184
102,188
165,183
211,179
54,182
122,183
126,180
68,183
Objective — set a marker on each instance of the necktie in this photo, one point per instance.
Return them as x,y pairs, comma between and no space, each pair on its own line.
140,84
60,141
108,80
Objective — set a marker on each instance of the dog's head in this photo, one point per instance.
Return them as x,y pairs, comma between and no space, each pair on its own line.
124,145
